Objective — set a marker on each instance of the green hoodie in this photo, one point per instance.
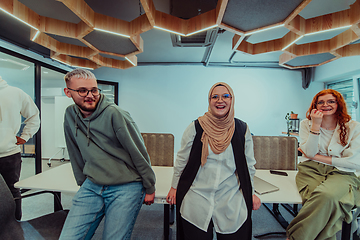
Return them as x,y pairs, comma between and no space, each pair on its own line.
107,146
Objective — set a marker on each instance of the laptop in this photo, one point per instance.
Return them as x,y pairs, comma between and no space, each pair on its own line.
262,186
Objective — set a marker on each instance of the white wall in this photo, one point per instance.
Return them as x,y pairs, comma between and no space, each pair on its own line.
167,98
339,69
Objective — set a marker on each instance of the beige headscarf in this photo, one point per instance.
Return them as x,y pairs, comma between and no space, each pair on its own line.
218,132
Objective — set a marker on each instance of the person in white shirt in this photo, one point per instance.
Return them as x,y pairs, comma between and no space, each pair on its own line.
327,179
15,103
213,174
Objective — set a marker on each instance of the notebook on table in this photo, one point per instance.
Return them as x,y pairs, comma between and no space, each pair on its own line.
261,186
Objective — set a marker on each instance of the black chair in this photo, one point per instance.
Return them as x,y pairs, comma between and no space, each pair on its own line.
45,227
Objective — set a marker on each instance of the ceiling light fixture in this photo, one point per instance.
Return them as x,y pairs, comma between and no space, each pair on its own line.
262,30
201,30
292,43
18,19
82,67
313,33
130,62
328,30
119,34
169,31
60,61
36,34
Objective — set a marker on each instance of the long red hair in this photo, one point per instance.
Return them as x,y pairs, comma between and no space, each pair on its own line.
341,114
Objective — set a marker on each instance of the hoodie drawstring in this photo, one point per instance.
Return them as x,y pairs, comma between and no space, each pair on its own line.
87,130
88,133
76,126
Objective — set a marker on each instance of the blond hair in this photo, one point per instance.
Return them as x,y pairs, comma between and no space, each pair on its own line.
79,73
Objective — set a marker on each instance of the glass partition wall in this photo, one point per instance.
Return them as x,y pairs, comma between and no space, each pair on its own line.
45,84
109,89
349,88
20,73
53,104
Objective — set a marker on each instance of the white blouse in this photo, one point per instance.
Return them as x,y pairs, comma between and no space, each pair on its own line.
214,194
345,158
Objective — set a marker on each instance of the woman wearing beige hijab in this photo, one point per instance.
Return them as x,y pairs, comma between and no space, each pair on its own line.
213,172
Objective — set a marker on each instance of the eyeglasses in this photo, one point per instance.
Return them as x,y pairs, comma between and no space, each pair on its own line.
83,92
224,97
329,102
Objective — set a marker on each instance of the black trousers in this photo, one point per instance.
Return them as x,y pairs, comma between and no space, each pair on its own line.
10,167
191,232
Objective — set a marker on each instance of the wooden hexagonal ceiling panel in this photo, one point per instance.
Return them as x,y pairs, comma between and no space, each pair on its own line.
92,33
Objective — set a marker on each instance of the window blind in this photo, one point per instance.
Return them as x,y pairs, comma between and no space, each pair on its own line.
346,88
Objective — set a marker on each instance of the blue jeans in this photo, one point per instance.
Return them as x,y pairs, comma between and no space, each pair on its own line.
120,204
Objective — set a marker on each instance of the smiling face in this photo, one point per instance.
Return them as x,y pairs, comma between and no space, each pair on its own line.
219,107
327,104
86,104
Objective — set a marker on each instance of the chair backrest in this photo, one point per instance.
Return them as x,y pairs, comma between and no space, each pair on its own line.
9,227
275,152
160,147
7,203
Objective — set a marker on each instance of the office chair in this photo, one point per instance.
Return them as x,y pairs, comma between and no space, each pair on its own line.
45,227
160,147
276,153
280,153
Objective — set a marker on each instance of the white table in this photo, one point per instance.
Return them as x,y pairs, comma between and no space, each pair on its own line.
61,179
58,179
287,194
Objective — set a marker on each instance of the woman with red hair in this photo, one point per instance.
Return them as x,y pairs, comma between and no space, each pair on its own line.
327,179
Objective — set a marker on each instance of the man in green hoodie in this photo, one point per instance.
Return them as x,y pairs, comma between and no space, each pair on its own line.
109,160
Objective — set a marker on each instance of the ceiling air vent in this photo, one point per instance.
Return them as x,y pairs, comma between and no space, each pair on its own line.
202,39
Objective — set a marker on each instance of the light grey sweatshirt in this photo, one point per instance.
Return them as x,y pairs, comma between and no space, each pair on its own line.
15,103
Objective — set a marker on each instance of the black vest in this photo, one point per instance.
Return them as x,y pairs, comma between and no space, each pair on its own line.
193,165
